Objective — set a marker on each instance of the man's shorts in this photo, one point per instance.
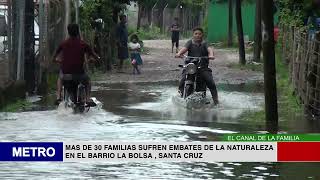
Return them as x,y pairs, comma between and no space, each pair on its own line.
175,39
83,78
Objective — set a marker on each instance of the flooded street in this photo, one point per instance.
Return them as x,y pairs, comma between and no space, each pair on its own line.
262,57
135,113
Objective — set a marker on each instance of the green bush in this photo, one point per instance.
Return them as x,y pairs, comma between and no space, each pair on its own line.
131,31
150,33
147,33
17,106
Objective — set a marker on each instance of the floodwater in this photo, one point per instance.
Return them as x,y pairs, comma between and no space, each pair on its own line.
145,112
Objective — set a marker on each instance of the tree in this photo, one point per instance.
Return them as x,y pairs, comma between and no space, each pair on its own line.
242,54
145,6
29,72
270,83
108,11
257,33
230,33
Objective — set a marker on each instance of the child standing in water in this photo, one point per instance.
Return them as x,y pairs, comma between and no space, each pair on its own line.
135,48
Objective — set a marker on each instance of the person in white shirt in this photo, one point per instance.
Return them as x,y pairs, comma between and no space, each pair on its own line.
135,49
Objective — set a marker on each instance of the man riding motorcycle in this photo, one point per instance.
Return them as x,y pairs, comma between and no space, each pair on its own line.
73,52
197,47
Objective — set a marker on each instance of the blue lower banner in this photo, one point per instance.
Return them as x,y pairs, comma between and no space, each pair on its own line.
114,151
31,151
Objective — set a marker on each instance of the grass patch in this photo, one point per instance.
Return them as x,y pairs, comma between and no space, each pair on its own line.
148,33
17,106
287,101
234,46
253,118
224,45
252,67
154,33
52,81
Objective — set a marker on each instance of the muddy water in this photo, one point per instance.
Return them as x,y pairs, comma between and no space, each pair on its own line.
144,112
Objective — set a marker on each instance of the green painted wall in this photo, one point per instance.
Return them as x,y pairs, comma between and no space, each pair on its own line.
219,17
218,20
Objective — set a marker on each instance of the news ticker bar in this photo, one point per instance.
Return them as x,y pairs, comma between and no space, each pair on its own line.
161,151
271,137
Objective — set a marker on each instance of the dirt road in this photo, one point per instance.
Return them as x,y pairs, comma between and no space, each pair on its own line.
161,66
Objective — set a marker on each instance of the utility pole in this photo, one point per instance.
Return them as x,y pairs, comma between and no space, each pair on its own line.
42,64
18,38
29,52
67,17
181,19
270,83
12,64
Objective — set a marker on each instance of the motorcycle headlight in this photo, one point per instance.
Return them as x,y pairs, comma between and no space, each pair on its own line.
191,68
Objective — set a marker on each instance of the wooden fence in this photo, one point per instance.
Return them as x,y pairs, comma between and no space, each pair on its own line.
301,51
